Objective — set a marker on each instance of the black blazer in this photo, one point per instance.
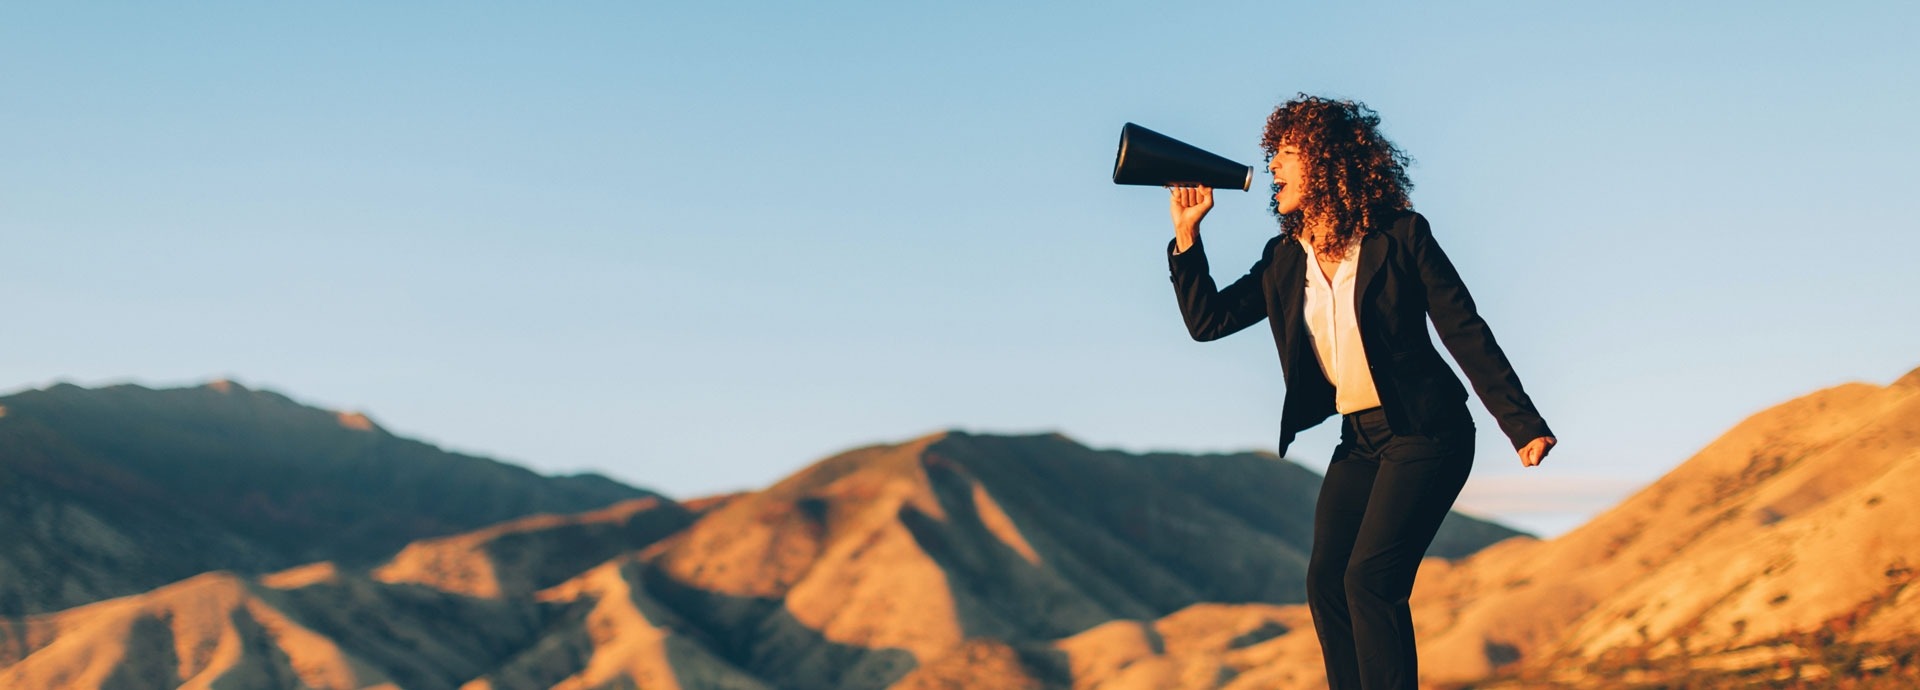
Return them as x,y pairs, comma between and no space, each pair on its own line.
1403,278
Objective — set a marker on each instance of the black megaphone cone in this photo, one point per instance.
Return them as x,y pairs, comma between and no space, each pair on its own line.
1150,158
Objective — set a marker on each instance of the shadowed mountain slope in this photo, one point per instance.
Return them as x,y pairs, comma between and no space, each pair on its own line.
221,630
111,491
518,558
409,623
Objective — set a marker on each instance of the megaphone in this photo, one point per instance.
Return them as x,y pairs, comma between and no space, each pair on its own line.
1150,158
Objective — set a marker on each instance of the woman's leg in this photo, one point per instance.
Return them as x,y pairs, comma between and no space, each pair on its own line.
1417,481
1337,516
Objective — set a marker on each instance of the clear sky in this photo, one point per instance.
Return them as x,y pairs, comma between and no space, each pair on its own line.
696,246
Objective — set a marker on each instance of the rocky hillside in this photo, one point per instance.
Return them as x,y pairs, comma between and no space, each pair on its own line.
1785,551
112,491
1794,530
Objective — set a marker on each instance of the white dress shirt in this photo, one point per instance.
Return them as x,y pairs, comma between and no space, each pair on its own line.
1334,327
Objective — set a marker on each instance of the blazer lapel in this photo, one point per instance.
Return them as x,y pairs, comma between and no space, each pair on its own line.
1373,251
1291,259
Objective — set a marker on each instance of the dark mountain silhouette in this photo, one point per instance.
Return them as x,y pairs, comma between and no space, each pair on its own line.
117,490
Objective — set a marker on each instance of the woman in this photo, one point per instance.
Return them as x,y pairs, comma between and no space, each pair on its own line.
1347,287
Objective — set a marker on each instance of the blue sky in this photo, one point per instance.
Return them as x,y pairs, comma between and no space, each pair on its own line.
698,245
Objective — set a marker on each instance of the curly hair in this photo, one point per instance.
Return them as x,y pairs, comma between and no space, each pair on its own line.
1355,177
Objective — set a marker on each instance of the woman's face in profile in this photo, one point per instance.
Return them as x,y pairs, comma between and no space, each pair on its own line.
1289,177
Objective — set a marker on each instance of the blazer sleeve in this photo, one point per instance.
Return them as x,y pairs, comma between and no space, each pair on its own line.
1468,337
1213,313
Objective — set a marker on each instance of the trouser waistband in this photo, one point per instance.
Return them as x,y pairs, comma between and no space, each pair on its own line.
1369,414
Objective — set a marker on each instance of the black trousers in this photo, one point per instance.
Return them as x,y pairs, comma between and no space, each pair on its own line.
1379,507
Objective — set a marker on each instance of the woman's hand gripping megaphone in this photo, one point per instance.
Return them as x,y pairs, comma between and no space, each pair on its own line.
1189,204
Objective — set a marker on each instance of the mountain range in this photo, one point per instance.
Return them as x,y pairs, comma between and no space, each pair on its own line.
1780,553
118,490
